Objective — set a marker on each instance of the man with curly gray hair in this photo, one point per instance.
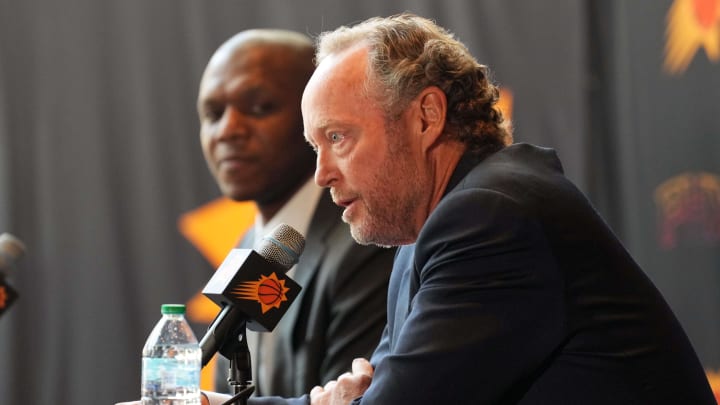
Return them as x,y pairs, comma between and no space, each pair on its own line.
509,287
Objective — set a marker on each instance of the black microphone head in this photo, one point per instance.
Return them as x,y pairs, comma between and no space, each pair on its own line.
283,246
11,249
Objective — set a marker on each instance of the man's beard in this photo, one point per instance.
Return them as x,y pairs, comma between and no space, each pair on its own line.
390,205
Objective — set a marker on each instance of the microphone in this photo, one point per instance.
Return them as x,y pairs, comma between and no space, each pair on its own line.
11,249
252,290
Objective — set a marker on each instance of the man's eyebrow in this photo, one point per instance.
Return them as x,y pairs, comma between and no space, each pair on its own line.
323,125
319,128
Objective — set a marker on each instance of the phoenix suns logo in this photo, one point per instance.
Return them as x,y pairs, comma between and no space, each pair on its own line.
689,209
3,297
269,291
7,295
691,24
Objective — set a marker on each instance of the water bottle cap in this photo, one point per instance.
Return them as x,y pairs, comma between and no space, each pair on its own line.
172,309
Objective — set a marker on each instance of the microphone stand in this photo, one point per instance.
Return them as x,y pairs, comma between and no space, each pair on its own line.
239,378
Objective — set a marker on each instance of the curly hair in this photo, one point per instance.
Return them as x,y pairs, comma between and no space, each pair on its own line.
407,54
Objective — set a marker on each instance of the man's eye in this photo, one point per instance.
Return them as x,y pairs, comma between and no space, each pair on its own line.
260,109
212,113
336,137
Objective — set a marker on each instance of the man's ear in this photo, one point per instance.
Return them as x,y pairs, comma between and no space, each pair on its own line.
432,112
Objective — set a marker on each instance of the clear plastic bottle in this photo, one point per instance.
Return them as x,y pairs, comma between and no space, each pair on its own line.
171,361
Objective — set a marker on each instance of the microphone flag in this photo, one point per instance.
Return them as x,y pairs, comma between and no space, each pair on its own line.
8,295
262,291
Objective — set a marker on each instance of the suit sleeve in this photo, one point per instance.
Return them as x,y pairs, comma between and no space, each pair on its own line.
487,311
303,400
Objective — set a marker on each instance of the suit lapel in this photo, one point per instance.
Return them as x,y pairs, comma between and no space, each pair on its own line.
403,286
326,216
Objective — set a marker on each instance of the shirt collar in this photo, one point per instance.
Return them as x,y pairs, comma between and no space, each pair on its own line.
297,212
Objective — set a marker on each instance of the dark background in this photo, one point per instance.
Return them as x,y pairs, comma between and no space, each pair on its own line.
99,155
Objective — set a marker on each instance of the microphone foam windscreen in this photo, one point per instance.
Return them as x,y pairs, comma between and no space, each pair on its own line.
11,249
283,246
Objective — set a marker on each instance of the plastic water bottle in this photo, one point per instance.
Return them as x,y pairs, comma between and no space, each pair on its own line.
171,361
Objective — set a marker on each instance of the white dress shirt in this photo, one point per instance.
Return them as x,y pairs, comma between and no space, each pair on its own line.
297,213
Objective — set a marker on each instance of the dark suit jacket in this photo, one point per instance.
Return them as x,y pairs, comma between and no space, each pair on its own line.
340,312
517,292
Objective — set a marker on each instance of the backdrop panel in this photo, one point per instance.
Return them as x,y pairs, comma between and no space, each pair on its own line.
662,116
100,157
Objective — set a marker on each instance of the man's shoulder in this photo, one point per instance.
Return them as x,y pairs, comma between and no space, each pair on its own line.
518,163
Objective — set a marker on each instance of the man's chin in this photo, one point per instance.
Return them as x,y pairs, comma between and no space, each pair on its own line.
356,231
360,238
363,237
382,238
238,193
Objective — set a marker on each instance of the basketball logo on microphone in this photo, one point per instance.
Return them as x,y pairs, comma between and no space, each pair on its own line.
269,291
8,295
3,297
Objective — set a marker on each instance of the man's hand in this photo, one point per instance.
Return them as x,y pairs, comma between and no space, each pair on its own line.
347,387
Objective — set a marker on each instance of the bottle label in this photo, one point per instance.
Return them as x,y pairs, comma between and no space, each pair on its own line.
167,376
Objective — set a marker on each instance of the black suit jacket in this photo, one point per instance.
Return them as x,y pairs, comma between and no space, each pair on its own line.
517,292
340,312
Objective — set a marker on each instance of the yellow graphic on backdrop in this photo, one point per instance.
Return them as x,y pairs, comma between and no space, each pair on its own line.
691,24
214,229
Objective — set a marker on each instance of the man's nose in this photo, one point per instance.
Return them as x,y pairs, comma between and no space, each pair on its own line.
326,172
233,124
